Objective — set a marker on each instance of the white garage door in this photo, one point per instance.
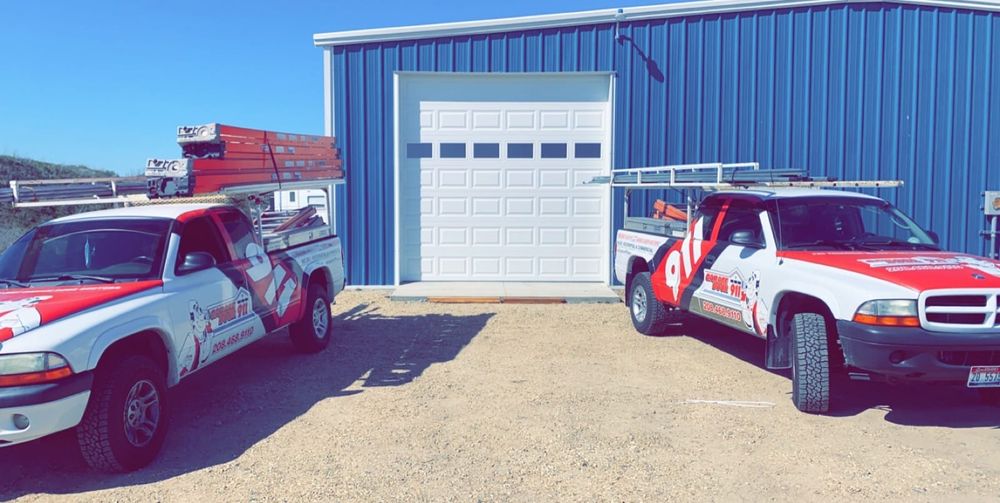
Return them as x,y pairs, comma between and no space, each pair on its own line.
492,191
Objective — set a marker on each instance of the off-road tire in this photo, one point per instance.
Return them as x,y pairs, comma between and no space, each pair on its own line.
649,315
306,334
810,363
101,433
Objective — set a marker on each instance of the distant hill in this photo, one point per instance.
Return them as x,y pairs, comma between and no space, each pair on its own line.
14,222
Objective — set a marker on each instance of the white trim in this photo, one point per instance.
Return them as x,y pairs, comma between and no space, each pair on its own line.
329,128
604,16
328,117
610,196
395,177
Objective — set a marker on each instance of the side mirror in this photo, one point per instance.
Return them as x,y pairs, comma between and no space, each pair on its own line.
934,237
196,261
745,238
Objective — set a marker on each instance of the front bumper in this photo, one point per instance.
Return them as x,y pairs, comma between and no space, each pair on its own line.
49,408
912,353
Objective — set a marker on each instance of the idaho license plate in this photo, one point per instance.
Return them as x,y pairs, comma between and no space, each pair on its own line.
984,377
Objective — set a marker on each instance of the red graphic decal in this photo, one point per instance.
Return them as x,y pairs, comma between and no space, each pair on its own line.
25,309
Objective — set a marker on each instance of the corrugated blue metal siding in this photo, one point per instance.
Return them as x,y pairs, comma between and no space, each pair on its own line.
851,91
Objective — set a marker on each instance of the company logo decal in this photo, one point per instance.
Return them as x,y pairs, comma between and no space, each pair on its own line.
918,263
753,312
205,323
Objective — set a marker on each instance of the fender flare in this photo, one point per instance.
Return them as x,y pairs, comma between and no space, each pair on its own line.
153,324
778,346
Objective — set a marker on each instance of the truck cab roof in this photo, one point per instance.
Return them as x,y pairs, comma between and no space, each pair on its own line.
168,211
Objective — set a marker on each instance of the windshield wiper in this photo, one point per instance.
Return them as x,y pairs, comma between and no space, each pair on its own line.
844,245
14,282
67,277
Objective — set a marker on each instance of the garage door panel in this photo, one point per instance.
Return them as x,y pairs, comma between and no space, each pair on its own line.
509,206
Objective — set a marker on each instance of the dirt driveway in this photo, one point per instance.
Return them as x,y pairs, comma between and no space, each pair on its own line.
528,402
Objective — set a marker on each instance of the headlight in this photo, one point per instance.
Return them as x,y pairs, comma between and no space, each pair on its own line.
890,313
32,368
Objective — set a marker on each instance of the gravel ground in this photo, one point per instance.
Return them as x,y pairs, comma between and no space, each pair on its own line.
528,402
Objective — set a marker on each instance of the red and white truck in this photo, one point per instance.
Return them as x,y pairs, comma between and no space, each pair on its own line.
102,312
833,281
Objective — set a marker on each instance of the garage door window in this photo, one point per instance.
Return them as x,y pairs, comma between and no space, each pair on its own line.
587,151
553,151
520,150
453,151
418,150
486,150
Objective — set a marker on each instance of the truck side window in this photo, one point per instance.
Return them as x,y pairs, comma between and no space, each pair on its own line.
708,210
201,235
240,232
741,216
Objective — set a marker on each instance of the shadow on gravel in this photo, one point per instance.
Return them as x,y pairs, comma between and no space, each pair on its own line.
905,404
225,409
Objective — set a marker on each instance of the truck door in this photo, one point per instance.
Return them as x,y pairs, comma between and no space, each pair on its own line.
211,306
273,283
729,291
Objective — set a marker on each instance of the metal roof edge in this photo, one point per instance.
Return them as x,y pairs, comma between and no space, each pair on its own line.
544,21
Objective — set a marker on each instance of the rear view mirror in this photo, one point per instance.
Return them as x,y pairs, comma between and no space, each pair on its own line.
196,261
746,238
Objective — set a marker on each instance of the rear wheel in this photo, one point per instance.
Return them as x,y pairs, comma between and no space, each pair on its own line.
311,334
649,315
810,363
125,421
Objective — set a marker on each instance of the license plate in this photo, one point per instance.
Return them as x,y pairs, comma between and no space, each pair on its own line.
984,377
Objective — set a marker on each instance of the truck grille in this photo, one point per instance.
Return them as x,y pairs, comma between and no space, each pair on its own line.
963,310
969,358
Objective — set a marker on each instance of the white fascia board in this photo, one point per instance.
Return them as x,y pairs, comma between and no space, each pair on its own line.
604,16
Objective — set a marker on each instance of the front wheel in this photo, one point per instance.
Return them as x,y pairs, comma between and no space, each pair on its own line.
810,363
125,421
311,334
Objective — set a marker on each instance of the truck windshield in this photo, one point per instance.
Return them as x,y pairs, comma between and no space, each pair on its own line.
847,223
100,250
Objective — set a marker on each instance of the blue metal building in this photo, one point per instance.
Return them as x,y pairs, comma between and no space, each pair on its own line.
892,90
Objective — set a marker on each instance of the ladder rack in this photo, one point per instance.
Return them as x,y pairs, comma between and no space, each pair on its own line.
717,176
123,191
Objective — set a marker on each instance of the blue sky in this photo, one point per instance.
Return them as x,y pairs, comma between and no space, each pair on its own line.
104,83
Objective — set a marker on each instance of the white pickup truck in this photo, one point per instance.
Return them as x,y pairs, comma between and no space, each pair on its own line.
101,312
833,281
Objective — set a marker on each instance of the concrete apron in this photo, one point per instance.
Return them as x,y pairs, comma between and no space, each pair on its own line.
505,293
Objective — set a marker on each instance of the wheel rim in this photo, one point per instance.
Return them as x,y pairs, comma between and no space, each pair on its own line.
142,413
639,304
320,318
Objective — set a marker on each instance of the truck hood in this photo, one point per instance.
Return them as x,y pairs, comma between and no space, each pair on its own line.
24,309
918,270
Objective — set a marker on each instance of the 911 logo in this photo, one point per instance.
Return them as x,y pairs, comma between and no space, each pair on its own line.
681,263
